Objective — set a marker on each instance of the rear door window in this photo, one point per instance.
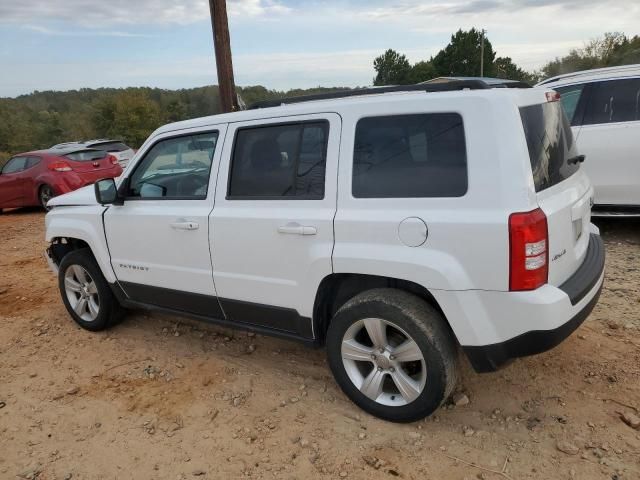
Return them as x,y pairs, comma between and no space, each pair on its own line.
410,156
280,161
550,142
614,101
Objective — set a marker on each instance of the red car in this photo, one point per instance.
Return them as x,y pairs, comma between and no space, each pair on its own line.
33,178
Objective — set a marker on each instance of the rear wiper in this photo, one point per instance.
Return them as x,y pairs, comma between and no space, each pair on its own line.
577,159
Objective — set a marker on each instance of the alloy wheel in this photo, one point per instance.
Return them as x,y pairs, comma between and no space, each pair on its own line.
82,293
383,362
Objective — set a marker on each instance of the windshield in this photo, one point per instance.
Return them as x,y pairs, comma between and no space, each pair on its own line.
550,144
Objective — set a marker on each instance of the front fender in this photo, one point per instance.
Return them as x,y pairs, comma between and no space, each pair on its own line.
83,223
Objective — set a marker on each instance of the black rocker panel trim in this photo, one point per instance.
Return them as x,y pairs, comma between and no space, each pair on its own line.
199,304
278,318
233,313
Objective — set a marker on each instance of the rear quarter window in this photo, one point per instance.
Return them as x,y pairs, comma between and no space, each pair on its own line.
550,144
410,156
570,97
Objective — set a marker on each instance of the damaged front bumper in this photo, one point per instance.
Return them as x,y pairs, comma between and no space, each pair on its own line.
49,258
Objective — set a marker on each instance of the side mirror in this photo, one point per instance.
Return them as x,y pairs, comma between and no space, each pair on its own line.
106,191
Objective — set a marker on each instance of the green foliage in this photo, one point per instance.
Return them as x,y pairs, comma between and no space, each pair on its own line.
42,119
461,57
503,67
612,49
422,71
4,156
392,68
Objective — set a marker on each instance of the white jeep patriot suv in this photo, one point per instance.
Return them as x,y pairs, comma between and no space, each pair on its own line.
392,226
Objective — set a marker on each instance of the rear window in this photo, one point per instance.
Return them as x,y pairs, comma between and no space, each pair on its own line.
410,156
110,146
550,144
86,155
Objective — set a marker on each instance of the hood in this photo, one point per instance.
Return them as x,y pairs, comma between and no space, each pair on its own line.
82,196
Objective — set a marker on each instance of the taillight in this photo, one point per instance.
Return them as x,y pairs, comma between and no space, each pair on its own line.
60,166
528,250
113,160
553,96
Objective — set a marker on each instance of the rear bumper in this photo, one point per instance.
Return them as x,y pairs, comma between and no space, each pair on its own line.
581,292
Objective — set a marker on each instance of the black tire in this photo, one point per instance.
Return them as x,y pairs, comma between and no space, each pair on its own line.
45,193
110,312
423,324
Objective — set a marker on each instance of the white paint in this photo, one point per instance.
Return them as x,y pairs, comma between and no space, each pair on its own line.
464,263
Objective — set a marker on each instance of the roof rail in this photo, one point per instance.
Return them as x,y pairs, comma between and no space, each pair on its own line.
429,88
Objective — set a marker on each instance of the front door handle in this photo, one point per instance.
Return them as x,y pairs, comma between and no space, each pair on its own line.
185,225
297,229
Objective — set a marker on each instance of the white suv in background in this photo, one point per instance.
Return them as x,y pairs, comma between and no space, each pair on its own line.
391,225
603,106
121,151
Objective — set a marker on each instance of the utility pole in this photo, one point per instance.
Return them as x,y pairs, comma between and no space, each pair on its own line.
482,53
222,46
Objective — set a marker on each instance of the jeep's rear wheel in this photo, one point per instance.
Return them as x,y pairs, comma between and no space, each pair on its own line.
86,293
392,354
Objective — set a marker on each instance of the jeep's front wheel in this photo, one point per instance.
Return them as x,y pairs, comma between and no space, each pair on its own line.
392,354
86,293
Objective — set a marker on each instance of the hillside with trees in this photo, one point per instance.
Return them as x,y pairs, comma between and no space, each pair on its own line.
42,119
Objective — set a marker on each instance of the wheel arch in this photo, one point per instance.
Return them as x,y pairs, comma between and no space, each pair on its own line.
61,246
338,288
75,232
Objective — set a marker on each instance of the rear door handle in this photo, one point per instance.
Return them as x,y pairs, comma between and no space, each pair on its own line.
297,229
185,225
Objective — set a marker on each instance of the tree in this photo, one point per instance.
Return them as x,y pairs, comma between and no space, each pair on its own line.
461,57
610,50
136,116
422,71
175,111
626,53
504,67
392,68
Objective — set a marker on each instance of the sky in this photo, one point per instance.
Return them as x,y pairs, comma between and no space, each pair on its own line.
281,44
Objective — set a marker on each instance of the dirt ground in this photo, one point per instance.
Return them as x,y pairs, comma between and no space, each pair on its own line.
158,397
